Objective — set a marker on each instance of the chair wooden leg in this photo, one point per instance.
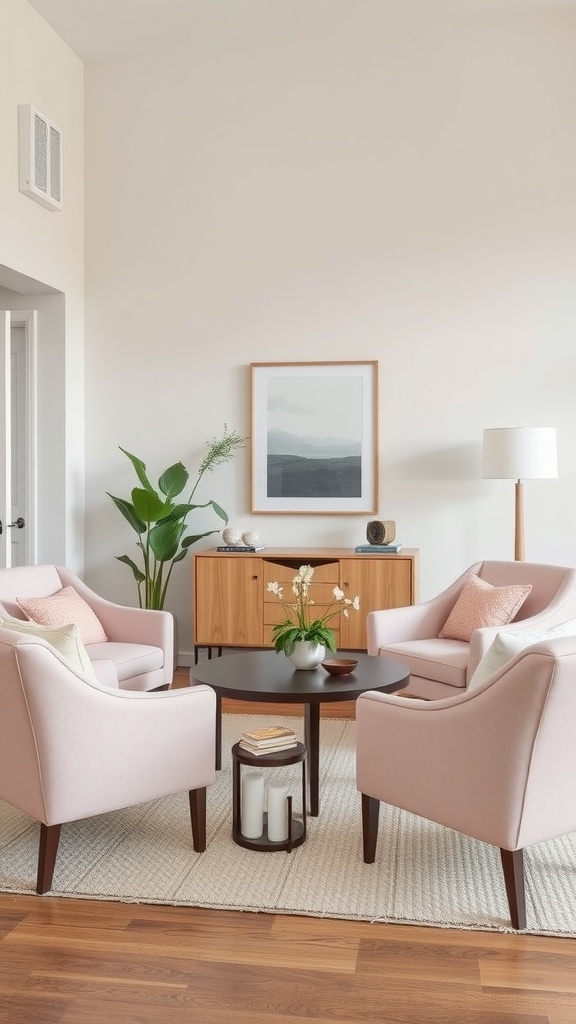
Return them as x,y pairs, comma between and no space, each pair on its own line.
198,818
49,839
513,866
370,816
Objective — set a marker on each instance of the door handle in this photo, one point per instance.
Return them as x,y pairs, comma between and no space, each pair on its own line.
19,523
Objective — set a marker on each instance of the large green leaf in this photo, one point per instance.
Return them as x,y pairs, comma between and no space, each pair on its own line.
165,539
129,513
219,511
138,574
139,468
181,554
193,538
173,480
180,512
149,506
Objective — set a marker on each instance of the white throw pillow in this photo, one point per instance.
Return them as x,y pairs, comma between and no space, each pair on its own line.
506,645
66,640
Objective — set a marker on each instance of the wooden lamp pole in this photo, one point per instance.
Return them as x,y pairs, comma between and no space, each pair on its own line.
519,522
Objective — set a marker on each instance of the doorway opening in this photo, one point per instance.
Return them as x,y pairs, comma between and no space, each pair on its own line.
18,469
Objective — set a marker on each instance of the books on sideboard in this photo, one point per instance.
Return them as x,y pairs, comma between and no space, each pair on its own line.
392,549
240,548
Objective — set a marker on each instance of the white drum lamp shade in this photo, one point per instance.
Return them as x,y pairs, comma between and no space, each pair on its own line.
519,453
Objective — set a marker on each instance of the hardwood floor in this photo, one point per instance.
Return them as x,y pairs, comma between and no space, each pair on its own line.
67,961
81,962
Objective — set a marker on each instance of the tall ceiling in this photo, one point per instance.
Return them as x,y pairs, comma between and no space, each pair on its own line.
113,29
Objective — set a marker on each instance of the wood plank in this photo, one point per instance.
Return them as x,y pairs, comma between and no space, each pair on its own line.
528,973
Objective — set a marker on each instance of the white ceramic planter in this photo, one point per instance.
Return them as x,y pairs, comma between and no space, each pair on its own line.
307,655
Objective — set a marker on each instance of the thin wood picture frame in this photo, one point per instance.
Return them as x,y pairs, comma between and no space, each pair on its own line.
314,438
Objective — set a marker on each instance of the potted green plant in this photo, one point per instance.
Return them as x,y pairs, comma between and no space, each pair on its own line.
160,520
302,636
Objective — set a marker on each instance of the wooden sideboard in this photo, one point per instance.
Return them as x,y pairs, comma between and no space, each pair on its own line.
233,608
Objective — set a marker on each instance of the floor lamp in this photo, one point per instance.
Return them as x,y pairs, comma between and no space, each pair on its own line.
519,453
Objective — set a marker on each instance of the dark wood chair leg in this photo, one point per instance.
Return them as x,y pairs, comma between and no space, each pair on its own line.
198,818
218,746
370,816
513,866
49,839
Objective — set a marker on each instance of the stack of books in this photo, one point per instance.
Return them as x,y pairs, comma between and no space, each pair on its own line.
368,549
268,741
239,548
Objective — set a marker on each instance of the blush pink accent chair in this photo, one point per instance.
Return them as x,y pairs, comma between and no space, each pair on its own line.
513,741
139,652
440,667
71,748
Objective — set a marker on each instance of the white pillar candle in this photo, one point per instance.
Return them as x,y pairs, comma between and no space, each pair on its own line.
277,813
252,805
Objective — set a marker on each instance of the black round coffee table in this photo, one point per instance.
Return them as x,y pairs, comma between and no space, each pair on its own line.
271,678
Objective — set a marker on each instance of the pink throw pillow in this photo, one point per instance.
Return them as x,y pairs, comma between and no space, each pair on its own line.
62,608
481,604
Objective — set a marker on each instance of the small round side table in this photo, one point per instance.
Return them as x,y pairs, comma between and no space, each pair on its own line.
277,759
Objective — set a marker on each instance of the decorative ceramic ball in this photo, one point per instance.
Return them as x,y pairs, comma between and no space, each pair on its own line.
250,538
231,536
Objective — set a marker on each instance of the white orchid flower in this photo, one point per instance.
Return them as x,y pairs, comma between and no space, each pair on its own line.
300,621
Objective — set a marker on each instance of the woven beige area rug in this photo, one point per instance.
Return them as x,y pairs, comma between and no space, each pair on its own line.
424,873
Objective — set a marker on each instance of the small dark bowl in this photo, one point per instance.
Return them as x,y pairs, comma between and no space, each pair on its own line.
340,666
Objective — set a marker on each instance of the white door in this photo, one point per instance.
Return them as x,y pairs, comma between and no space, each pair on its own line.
17,438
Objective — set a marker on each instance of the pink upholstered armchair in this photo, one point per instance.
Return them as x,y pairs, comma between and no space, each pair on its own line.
441,666
137,651
496,763
71,748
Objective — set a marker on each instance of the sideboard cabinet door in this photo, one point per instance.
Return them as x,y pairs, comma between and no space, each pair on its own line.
379,583
228,601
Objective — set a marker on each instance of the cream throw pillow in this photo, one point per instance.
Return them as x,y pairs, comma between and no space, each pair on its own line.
507,645
481,604
60,609
65,639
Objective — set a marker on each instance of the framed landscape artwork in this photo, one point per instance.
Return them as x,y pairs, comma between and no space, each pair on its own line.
315,437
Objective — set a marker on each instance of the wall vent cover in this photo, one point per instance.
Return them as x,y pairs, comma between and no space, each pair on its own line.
39,158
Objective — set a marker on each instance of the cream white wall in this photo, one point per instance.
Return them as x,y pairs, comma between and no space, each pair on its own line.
42,264
337,181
